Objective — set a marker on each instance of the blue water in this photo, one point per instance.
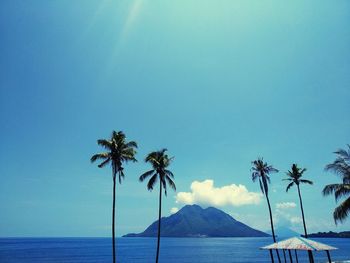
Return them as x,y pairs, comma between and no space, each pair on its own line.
179,250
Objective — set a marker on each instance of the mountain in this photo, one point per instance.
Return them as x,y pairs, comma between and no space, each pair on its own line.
344,234
194,221
284,232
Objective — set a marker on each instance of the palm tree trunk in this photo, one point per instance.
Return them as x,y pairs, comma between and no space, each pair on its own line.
272,229
311,258
302,211
113,221
159,217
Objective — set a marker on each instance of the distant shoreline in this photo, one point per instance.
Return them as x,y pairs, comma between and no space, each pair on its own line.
330,234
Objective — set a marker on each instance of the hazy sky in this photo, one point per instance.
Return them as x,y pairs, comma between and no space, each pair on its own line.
218,83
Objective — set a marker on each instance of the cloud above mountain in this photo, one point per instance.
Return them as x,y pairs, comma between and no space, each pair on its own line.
285,215
285,205
174,210
206,194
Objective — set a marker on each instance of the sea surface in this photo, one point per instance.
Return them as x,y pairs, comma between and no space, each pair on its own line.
179,250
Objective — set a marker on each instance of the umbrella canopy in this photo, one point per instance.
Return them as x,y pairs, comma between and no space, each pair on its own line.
299,243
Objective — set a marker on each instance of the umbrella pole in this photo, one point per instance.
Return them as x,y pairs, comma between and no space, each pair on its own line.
290,256
296,255
284,254
271,255
329,256
311,257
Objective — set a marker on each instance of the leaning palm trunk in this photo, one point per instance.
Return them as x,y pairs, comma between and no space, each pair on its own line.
311,257
159,218
113,222
272,228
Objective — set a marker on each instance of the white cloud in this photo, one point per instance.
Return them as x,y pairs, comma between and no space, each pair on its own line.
204,193
174,210
296,220
285,205
285,219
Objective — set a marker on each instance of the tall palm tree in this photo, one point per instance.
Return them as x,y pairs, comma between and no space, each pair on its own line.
261,171
159,161
294,177
341,167
119,151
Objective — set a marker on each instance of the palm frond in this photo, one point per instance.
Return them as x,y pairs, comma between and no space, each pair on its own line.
153,159
128,154
261,170
330,189
342,211
304,181
289,186
119,151
255,175
339,167
145,175
99,156
303,171
343,153
152,182
131,144
271,169
159,161
118,136
341,191
105,143
287,179
121,175
101,165
170,183
169,173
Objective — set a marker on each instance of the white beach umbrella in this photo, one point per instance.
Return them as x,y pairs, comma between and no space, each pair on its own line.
300,243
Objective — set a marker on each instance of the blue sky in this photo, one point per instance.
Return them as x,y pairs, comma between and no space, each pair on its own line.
218,83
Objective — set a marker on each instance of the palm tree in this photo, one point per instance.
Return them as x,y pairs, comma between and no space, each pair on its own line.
341,167
261,171
159,161
119,151
294,177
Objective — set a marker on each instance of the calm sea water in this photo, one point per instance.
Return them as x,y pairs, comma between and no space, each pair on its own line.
179,250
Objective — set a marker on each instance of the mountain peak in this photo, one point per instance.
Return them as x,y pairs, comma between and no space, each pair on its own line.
190,208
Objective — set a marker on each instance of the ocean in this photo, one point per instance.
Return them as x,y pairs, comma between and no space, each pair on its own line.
173,250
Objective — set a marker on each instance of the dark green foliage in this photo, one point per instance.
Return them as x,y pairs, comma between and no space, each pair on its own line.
119,151
341,167
294,176
330,234
261,171
159,161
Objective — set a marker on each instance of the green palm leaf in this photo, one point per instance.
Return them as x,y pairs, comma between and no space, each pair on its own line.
341,167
